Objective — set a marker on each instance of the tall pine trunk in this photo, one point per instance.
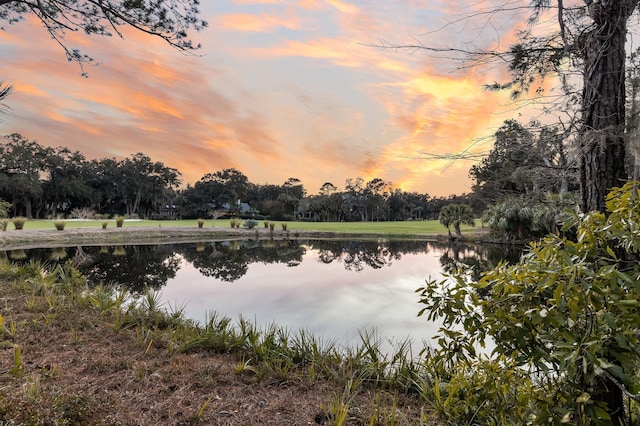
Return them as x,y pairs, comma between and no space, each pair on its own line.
603,110
602,140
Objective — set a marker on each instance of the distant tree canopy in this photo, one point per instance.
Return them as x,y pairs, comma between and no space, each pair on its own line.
43,182
170,20
359,201
214,190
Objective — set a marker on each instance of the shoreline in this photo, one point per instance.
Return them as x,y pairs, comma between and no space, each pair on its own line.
45,238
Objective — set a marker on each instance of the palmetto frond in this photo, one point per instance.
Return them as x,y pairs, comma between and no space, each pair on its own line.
5,90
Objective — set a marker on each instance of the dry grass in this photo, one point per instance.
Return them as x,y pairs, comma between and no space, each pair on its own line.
61,362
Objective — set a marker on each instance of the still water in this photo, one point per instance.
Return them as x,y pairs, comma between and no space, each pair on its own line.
334,289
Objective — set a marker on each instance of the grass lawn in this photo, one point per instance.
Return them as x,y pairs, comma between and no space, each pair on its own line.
430,227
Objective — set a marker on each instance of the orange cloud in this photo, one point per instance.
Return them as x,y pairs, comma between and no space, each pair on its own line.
256,23
340,52
344,7
137,101
29,90
320,107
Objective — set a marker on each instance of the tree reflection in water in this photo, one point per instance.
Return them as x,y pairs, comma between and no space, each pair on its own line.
355,255
475,259
136,266
142,266
229,260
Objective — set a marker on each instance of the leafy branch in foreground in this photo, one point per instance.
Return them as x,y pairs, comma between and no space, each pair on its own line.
169,20
568,312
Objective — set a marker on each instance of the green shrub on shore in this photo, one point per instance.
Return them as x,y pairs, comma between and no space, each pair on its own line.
119,221
250,224
59,224
19,221
567,312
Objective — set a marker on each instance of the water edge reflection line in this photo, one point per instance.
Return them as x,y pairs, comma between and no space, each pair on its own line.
333,289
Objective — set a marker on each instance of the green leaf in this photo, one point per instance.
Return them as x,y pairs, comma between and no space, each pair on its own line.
557,294
600,413
583,399
611,322
626,303
622,340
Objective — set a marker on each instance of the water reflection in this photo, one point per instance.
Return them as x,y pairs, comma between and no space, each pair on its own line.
332,288
138,267
229,261
474,259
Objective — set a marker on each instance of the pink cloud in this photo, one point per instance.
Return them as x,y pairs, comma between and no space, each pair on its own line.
256,23
354,110
139,100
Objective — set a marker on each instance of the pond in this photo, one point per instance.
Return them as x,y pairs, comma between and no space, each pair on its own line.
334,289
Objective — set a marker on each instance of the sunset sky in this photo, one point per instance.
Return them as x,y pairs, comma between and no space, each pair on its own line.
280,89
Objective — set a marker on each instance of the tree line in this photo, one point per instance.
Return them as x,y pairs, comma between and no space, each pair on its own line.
41,182
44,182
531,168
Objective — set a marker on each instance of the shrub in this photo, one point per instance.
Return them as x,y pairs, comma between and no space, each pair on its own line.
83,213
266,224
104,224
272,226
119,221
4,208
18,222
523,218
567,310
200,222
59,224
3,224
250,223
284,226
